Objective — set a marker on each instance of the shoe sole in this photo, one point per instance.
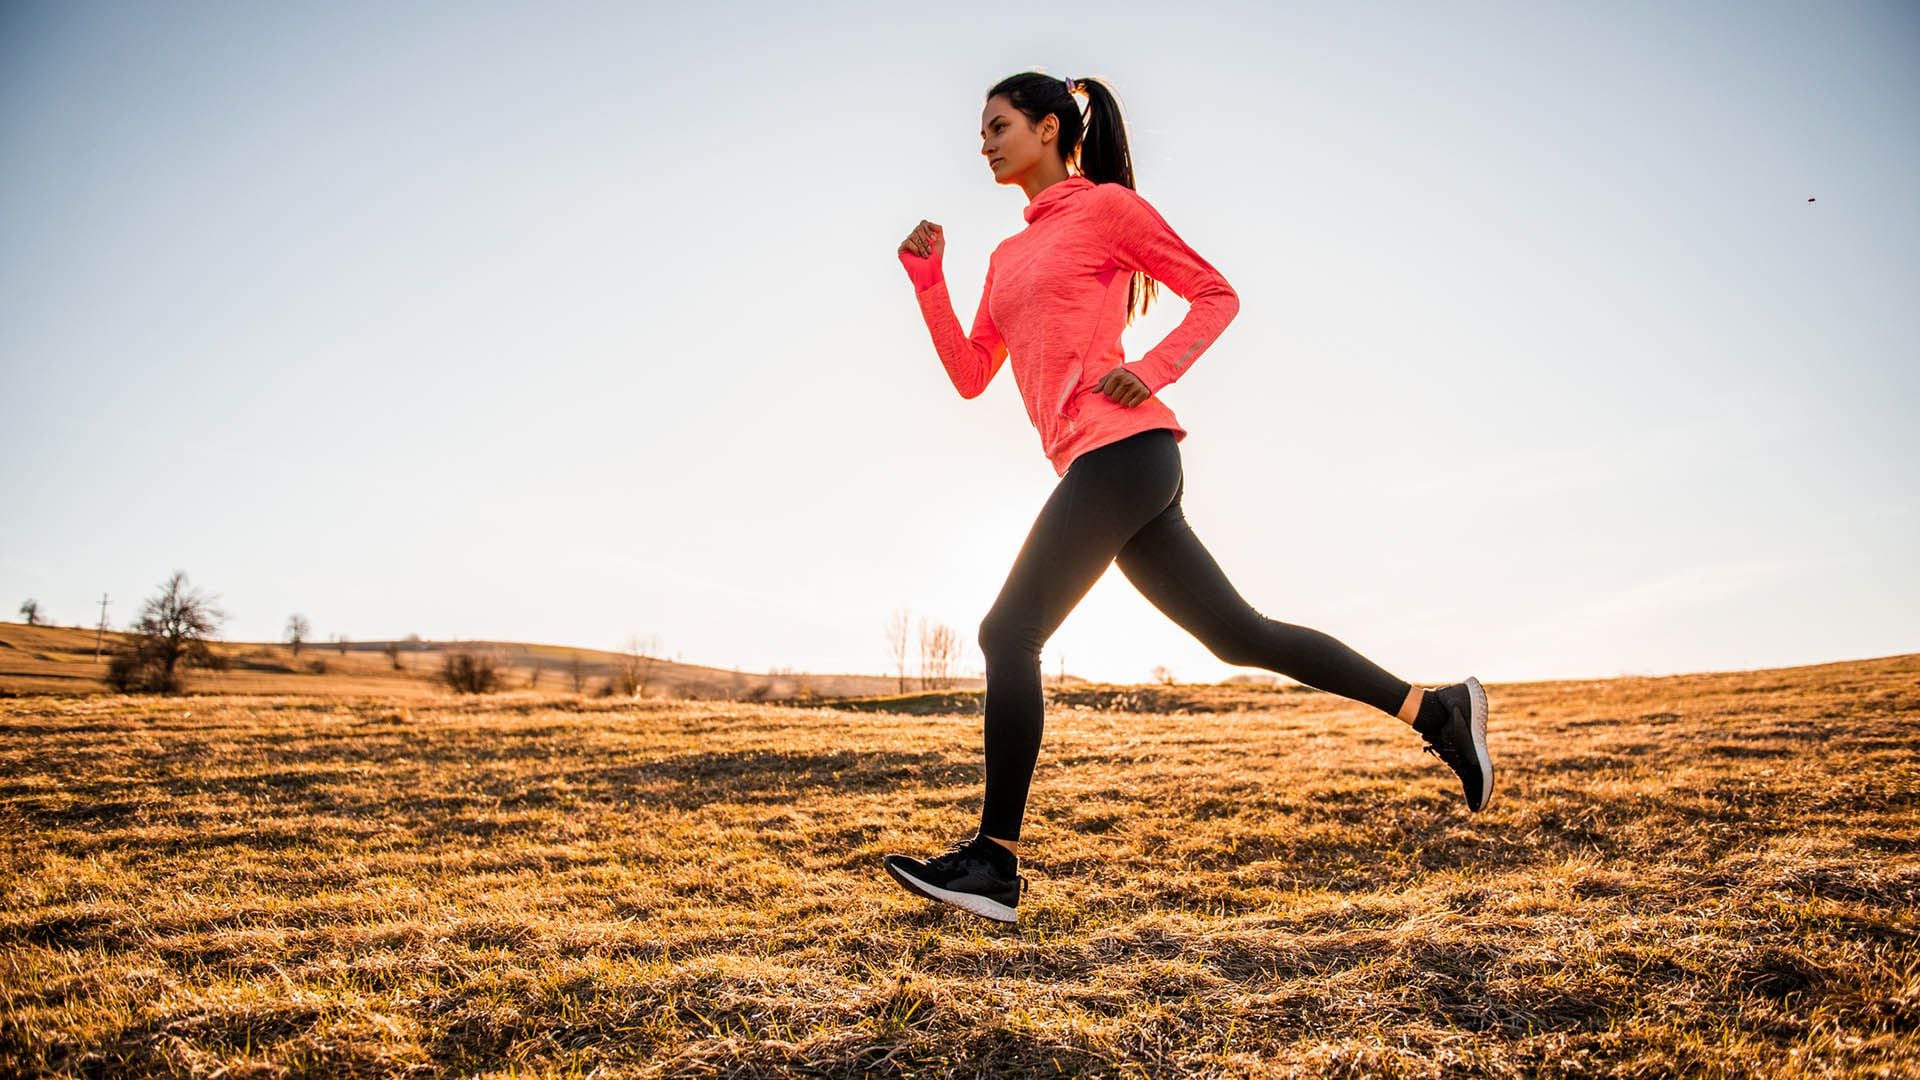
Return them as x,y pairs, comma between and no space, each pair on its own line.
1478,695
965,901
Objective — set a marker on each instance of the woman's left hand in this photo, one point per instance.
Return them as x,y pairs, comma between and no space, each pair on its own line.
1124,387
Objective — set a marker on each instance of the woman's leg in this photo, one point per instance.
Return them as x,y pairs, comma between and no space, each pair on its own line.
1105,497
1174,571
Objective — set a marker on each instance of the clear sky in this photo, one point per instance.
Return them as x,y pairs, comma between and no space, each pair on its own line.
566,323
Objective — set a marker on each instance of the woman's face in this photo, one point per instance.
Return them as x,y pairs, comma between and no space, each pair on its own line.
1011,145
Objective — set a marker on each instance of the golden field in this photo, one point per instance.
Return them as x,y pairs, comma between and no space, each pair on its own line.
1712,874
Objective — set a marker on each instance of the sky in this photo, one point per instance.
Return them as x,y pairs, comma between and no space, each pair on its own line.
1575,340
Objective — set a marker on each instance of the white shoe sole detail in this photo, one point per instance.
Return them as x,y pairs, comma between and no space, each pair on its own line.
1478,694
966,901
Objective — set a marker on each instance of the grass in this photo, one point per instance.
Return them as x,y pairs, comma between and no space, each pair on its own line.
1708,874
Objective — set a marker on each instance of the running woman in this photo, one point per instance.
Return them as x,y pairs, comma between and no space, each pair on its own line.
1057,295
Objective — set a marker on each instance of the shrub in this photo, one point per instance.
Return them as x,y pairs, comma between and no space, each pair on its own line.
470,671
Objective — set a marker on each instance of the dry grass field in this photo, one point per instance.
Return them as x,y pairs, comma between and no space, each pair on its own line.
1704,875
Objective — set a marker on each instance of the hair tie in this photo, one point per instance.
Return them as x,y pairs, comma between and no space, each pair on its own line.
1069,83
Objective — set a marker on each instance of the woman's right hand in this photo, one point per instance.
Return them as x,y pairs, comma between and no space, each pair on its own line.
926,240
921,253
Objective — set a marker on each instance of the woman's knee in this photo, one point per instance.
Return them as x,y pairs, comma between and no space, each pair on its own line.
1241,644
1234,653
1004,635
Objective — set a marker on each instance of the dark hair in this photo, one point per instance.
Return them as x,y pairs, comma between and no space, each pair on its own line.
1096,140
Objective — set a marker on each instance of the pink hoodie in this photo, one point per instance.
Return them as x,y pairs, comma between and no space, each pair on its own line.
1055,299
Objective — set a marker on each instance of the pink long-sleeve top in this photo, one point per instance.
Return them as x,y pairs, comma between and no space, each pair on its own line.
1055,300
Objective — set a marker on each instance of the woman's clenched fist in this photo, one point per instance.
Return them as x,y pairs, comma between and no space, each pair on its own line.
920,253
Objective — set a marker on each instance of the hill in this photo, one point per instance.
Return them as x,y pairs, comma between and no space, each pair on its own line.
62,660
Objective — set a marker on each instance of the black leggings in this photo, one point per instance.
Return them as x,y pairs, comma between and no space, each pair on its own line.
1122,500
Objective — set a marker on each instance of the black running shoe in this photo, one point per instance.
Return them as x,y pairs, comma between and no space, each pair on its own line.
1461,741
966,876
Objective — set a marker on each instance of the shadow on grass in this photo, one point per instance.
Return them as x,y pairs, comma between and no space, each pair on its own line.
763,776
682,782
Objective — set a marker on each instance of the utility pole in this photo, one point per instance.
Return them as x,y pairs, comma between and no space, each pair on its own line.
102,629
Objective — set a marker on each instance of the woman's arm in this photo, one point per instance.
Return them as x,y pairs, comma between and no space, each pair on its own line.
1142,240
971,358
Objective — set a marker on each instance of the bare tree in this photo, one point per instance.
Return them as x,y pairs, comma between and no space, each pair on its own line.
577,671
343,644
31,609
298,631
897,625
1163,675
171,635
939,654
393,654
636,666
922,648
